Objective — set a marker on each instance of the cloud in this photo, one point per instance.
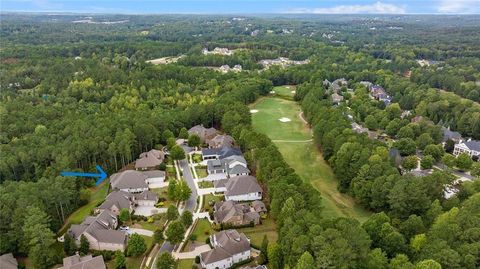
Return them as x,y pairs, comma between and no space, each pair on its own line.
376,8
459,6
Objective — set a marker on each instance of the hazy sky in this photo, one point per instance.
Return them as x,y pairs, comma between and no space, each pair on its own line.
246,6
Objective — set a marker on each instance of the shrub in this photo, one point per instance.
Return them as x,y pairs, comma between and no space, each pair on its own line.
197,259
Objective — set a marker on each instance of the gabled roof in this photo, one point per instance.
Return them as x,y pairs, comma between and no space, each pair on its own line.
472,145
223,152
128,179
155,153
154,173
147,161
242,185
259,206
448,134
120,199
221,141
86,262
225,211
228,243
146,195
238,169
202,132
101,228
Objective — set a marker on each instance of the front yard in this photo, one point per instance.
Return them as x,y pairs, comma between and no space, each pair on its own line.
202,230
205,184
209,200
201,171
185,264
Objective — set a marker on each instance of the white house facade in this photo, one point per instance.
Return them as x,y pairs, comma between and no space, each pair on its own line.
472,148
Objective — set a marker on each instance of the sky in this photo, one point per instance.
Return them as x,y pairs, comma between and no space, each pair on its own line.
246,6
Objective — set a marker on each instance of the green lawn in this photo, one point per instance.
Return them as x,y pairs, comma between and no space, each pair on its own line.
303,156
201,171
205,184
203,230
285,91
98,195
256,234
185,264
210,197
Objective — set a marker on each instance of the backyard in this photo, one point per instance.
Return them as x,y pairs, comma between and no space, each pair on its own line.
97,196
210,198
201,171
293,139
256,234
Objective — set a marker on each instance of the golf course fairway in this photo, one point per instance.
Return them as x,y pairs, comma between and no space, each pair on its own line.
279,118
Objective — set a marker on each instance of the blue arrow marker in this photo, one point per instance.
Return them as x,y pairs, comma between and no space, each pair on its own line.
101,174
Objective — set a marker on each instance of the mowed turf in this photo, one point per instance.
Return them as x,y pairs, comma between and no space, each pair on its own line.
303,156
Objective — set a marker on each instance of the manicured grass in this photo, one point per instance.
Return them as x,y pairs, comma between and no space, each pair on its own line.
303,157
256,234
205,184
185,264
197,158
98,195
210,197
135,262
203,230
201,171
285,91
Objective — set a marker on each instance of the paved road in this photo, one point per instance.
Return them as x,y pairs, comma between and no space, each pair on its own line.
191,203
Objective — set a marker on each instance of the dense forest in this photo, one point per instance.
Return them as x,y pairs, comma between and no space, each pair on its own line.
74,95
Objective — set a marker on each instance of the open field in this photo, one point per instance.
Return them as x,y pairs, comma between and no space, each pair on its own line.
293,140
285,91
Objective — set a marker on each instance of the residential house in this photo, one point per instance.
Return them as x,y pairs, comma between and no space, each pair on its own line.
379,93
149,160
367,84
116,201
100,232
450,135
243,188
220,185
359,129
416,119
129,181
326,83
259,207
336,98
231,166
146,198
7,261
229,247
233,213
406,113
221,141
205,134
85,262
471,147
220,153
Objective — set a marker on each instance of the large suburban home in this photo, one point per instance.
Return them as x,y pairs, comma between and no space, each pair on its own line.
221,141
116,201
85,262
149,160
336,98
154,177
450,135
129,181
7,261
229,247
243,188
231,166
471,147
236,214
220,153
205,134
100,232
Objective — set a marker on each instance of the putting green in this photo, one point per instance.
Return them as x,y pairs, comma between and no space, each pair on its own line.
293,139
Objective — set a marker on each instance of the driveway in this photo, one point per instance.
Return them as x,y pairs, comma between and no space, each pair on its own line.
140,232
158,185
192,254
213,177
147,211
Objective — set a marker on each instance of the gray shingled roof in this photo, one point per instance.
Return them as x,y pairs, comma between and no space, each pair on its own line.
120,199
101,228
225,211
238,169
147,161
154,173
473,145
223,152
86,262
147,195
448,134
242,185
229,243
7,261
221,141
129,179
155,153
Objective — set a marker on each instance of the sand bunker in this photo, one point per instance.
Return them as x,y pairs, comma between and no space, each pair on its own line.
284,119
292,92
253,111
272,91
